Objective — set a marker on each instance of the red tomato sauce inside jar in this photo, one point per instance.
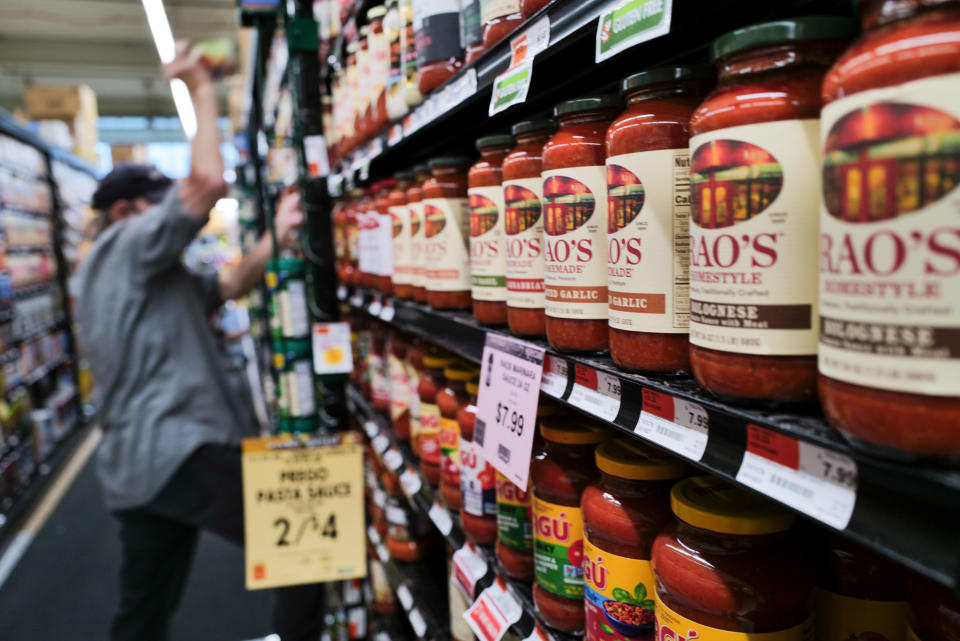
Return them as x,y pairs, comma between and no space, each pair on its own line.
523,224
477,478
439,54
383,277
446,224
488,266
499,18
575,224
450,399
428,441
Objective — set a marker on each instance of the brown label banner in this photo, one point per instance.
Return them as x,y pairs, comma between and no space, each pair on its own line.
638,303
913,341
751,316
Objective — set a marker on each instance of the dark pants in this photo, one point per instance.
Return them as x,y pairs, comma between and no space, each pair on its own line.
158,541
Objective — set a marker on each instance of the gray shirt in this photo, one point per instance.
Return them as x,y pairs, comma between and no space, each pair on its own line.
143,327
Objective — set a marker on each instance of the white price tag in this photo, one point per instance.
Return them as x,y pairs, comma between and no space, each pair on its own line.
382,553
406,599
629,22
373,535
410,482
375,148
819,482
393,460
383,636
387,313
468,568
536,635
417,622
332,353
396,515
357,623
511,87
395,134
379,497
380,443
356,300
554,381
678,425
532,41
493,613
375,307
441,518
510,377
315,150
341,292
371,428
595,392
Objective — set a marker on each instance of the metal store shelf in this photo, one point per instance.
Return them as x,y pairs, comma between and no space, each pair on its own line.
909,512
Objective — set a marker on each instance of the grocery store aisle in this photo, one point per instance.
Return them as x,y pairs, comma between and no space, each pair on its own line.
64,586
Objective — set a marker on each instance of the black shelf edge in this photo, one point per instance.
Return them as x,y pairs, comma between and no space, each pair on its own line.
908,512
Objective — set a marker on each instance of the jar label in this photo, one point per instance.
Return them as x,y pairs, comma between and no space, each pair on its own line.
477,481
301,397
470,24
488,264
379,61
492,9
400,226
558,548
648,241
384,247
753,238
514,523
575,242
408,42
840,618
293,309
674,627
889,256
436,24
379,383
417,242
446,225
430,433
399,387
450,450
523,224
618,595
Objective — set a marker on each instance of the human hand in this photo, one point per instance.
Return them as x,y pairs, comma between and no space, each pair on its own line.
289,218
187,65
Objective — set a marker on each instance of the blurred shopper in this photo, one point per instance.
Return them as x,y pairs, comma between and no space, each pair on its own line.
169,462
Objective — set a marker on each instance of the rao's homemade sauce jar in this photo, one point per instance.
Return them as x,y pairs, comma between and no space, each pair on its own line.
488,266
889,263
575,224
400,231
522,195
418,279
648,228
754,160
446,227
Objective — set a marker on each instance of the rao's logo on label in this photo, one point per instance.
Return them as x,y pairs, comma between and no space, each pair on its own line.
414,222
522,209
435,221
625,197
397,224
569,205
731,182
483,214
889,159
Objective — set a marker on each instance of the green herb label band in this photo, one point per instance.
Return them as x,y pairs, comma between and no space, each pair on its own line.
514,527
558,548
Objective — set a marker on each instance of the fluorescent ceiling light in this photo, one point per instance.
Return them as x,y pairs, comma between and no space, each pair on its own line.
163,38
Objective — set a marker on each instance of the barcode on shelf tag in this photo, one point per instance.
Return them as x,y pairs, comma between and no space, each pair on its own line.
375,307
555,374
393,460
371,428
410,482
373,535
468,568
509,393
678,425
387,313
382,553
819,482
595,392
406,599
417,622
342,292
379,497
441,518
380,443
493,613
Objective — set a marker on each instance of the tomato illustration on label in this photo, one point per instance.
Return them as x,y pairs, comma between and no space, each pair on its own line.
569,205
625,197
414,222
397,224
731,182
483,214
435,221
522,209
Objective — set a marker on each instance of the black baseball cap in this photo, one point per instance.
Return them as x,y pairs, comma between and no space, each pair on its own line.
130,181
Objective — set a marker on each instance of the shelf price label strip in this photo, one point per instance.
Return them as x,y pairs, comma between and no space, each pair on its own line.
814,480
681,426
556,373
468,568
511,87
595,392
493,612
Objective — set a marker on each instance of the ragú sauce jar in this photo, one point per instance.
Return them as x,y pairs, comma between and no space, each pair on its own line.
400,232
428,441
477,478
488,265
648,225
446,226
449,401
622,515
499,18
753,224
523,224
414,367
439,55
398,344
889,264
575,224
725,568
421,173
560,471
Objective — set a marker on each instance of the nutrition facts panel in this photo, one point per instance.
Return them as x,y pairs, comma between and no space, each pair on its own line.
681,238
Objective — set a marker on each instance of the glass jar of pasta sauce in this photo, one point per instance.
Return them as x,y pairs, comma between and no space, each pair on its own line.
446,225
499,18
353,236
450,399
488,266
560,471
428,441
726,569
421,173
471,30
402,277
754,195
439,54
530,7
379,377
889,268
622,514
523,224
383,276
477,477
363,88
648,224
379,68
934,612
397,346
414,367
575,224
